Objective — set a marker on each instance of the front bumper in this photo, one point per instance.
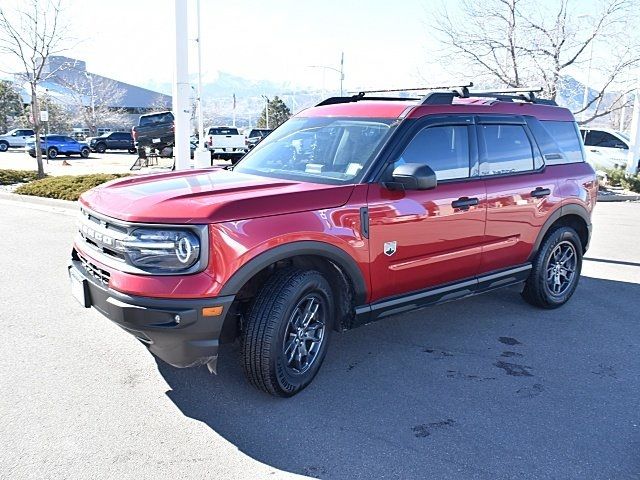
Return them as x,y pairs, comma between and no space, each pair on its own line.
175,330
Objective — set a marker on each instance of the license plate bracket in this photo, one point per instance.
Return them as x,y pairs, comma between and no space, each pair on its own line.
79,287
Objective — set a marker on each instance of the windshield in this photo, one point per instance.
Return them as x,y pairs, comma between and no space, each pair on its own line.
318,149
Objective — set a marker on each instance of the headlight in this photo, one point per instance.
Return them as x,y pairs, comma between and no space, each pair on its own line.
161,250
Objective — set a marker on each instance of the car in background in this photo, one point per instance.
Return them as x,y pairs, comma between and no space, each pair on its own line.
605,148
112,141
225,143
16,138
54,145
254,136
154,130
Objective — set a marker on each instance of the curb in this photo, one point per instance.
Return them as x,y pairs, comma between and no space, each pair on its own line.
49,202
618,198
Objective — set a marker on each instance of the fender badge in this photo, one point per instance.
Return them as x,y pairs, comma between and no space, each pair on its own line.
390,248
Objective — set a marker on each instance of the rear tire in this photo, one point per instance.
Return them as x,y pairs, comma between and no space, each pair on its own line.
85,152
132,151
52,152
556,270
287,332
4,146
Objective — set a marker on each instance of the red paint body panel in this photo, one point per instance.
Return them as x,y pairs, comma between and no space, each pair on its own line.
208,196
435,243
541,112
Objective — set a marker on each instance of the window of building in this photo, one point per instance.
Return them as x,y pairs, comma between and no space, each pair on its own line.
507,150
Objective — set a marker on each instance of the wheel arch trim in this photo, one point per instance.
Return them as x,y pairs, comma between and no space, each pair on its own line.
562,211
294,249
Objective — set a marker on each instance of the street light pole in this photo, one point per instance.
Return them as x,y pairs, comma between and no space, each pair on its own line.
340,71
201,157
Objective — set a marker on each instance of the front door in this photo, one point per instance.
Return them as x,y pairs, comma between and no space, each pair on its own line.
422,238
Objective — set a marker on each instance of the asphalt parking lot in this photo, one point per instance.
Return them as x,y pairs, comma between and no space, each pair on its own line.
108,162
483,388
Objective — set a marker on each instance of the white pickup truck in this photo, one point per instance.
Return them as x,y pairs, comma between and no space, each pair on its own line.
225,143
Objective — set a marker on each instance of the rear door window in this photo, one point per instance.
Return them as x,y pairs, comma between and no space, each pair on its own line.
506,150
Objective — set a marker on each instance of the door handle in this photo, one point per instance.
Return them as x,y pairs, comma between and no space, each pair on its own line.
463,203
540,192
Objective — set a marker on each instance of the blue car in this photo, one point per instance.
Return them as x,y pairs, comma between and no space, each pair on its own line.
54,145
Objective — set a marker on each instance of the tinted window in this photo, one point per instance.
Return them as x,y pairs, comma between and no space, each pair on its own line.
444,149
568,139
158,118
598,138
223,131
507,149
68,139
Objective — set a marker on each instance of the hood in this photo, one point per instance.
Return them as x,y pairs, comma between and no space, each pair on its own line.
209,196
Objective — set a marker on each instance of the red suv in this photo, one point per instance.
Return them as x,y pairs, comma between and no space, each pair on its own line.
359,208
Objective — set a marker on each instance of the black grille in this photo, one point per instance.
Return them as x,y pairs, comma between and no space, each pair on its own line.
93,270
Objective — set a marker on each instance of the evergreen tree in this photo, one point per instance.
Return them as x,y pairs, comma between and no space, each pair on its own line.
11,108
278,114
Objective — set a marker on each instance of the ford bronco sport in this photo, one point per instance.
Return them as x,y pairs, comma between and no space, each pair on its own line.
356,209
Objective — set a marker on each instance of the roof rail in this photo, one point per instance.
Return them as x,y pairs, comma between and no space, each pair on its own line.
361,95
444,95
508,95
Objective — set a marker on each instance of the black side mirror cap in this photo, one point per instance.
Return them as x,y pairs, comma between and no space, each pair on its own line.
414,176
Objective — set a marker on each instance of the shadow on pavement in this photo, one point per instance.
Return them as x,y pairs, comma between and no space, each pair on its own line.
487,387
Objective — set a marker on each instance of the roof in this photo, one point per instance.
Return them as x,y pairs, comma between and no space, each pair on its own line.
414,109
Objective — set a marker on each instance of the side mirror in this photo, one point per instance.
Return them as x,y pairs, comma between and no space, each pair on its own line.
14,134
414,176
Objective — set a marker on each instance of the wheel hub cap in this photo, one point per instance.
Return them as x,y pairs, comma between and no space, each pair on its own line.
304,334
561,268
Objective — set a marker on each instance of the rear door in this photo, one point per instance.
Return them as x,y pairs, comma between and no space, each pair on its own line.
423,238
520,194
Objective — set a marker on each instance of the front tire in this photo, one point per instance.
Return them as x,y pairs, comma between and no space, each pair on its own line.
556,270
286,335
101,148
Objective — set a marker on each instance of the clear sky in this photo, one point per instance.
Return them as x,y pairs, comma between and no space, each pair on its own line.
386,43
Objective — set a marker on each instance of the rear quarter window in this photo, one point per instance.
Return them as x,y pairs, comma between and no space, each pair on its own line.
567,136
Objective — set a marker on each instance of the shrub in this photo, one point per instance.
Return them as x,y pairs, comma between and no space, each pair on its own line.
631,182
615,176
66,187
9,177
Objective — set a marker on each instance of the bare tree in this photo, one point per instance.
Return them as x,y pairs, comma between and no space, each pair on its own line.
518,43
94,100
31,34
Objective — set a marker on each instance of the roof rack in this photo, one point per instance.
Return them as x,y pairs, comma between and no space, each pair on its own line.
361,95
445,95
505,95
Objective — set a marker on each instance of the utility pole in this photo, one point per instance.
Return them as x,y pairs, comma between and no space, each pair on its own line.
341,72
201,157
634,151
181,88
